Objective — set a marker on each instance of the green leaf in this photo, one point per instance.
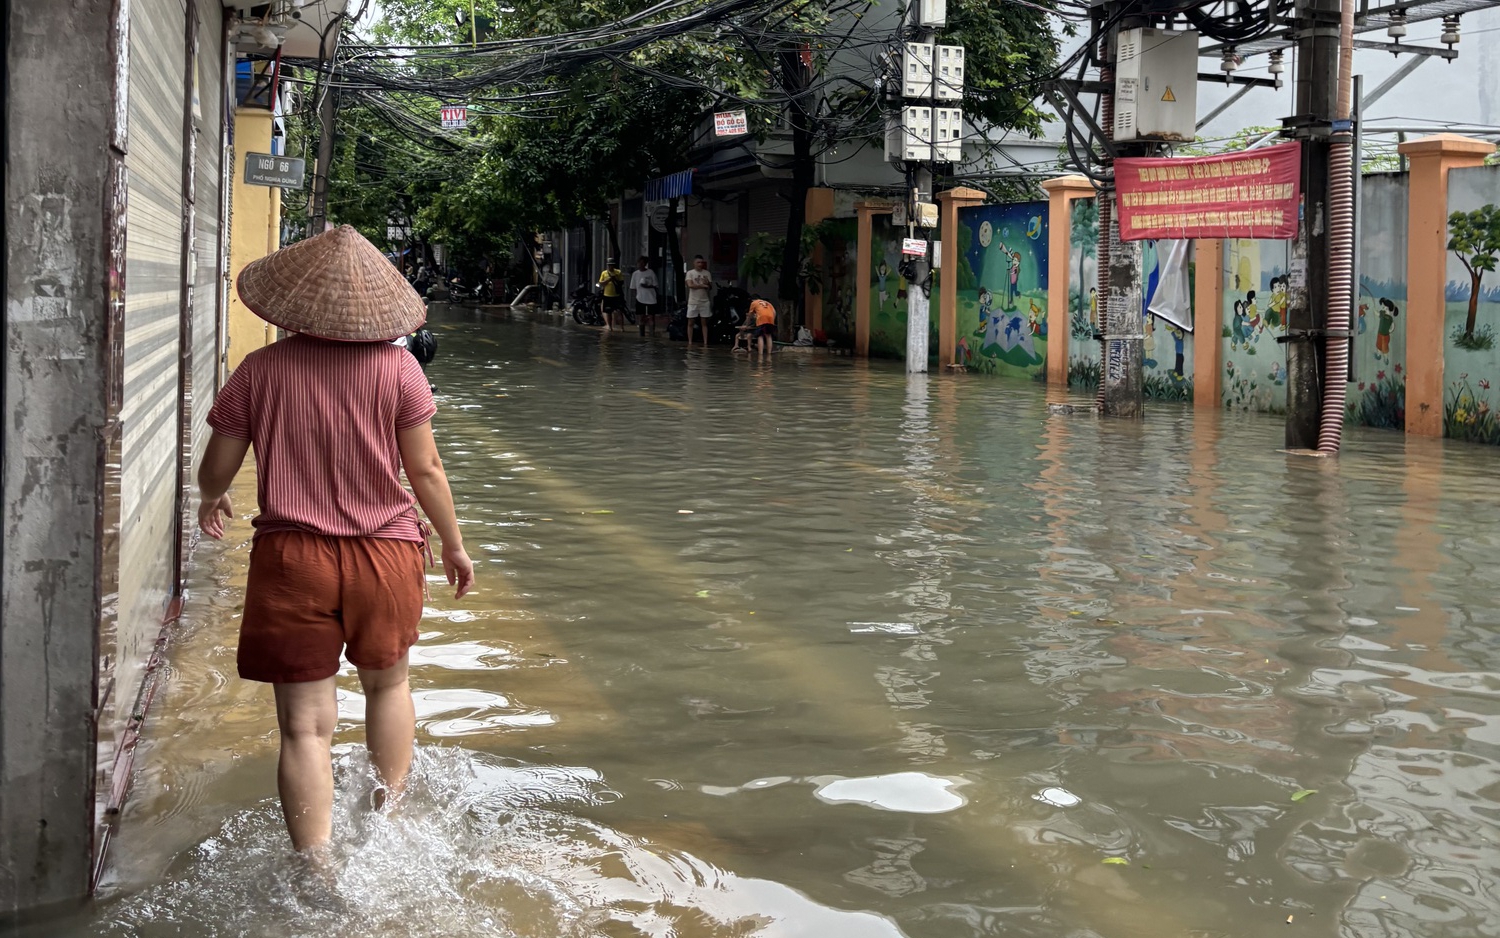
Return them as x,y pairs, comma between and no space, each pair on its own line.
1116,861
1304,794
702,593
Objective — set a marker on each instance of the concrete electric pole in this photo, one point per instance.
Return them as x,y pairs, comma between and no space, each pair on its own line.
319,206
1308,299
927,129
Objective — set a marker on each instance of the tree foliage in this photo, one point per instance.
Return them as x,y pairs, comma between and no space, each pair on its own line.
580,139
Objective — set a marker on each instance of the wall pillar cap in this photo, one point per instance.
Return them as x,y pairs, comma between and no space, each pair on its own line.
962,194
1446,145
1073,183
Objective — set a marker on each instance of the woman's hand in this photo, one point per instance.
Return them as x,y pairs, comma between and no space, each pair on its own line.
460,569
211,515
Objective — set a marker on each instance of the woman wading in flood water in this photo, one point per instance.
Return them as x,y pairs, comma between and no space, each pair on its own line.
334,412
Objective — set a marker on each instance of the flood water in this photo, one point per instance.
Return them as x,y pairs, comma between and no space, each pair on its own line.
810,648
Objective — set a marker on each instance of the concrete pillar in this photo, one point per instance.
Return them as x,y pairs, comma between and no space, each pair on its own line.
864,212
819,209
64,305
951,201
1208,316
256,232
1430,159
1061,193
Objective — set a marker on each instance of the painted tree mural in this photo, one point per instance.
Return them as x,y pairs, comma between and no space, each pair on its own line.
1475,238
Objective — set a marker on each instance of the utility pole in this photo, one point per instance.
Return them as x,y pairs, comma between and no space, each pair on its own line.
927,129
1308,298
1122,316
326,110
919,192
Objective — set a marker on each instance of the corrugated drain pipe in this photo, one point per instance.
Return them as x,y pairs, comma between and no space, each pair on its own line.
1341,158
1101,252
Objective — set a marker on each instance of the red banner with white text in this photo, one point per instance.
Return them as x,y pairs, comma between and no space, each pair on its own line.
1248,194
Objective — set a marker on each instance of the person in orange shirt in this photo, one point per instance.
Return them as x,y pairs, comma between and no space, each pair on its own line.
763,314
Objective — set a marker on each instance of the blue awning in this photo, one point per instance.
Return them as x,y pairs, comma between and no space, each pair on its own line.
670,187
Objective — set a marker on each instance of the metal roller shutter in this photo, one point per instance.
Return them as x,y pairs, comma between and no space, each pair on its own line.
630,233
152,348
768,216
208,263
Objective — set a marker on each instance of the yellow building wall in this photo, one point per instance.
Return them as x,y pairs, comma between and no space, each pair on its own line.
255,231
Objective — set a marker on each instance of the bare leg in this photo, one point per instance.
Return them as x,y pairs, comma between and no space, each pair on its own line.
306,712
390,725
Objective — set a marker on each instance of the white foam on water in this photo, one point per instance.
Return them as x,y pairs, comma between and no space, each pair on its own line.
883,628
479,847
1058,797
906,792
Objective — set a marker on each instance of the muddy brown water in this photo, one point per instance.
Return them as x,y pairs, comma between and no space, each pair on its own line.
812,648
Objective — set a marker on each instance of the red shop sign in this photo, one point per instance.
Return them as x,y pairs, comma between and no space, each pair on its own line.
1248,194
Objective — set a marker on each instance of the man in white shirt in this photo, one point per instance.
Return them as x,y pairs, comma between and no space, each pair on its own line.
700,284
643,285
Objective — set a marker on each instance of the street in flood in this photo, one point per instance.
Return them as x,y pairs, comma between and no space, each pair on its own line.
807,646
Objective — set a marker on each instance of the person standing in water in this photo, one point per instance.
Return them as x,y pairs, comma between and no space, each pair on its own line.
335,412
643,285
700,285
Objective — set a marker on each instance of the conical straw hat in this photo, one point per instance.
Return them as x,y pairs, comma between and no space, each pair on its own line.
336,285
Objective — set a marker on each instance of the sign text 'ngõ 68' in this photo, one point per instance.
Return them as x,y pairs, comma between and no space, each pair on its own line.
1248,194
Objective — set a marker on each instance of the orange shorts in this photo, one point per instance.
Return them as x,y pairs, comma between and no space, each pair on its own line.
310,596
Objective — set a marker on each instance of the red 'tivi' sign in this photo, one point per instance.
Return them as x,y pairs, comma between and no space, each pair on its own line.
1249,194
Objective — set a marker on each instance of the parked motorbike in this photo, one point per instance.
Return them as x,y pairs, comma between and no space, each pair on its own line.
586,307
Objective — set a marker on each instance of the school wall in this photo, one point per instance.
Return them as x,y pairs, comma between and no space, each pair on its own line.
1471,347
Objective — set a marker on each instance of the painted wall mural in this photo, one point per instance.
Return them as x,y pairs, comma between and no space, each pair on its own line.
1168,349
1471,346
1083,295
1002,288
1255,298
1377,396
887,290
839,238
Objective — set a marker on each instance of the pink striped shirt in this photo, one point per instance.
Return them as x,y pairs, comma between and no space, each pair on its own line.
322,417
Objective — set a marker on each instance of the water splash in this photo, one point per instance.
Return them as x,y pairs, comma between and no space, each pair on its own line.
479,846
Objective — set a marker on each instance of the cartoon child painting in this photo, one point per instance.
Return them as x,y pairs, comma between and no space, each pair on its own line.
882,273
1037,320
1252,315
1094,307
1276,312
1239,333
1177,340
1149,345
1388,314
1015,277
986,310
1363,309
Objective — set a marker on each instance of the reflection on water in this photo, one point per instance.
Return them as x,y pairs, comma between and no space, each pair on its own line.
843,652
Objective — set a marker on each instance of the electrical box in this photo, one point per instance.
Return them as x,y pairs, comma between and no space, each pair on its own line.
908,135
932,12
948,71
922,134
948,134
1156,85
916,70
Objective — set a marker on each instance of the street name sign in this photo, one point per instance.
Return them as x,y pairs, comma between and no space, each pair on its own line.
267,169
